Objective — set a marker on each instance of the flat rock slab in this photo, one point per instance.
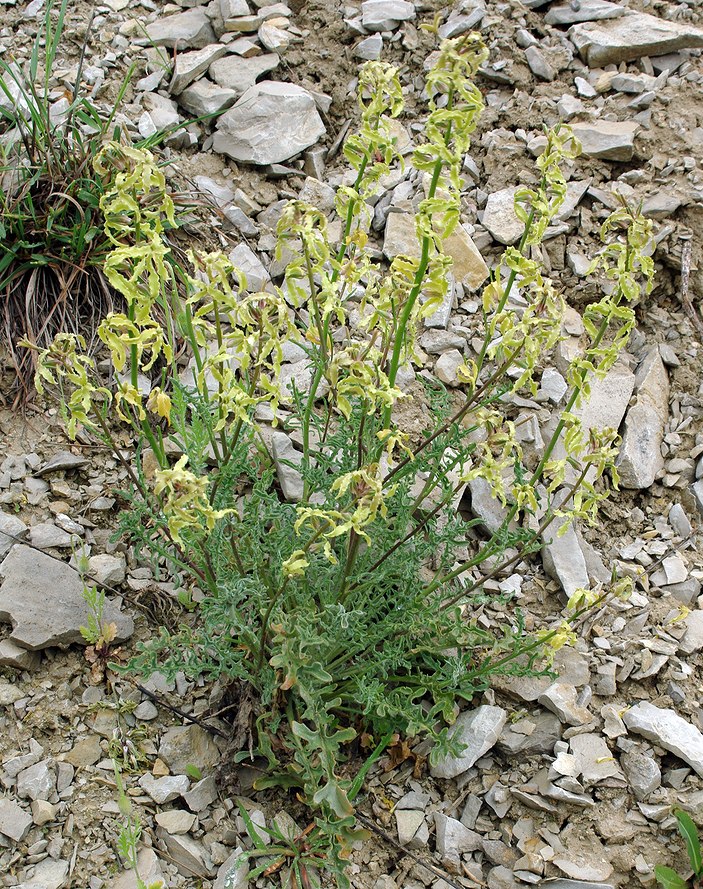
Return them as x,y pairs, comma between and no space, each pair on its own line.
631,37
43,600
478,730
667,729
590,11
609,140
185,30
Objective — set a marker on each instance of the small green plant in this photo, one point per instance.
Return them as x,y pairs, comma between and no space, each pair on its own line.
668,878
345,611
130,832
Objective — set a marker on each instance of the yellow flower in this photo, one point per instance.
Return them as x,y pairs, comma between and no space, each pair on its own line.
159,403
295,564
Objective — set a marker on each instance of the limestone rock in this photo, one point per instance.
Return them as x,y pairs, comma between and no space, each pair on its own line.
485,505
447,366
189,66
187,854
468,267
640,457
33,580
669,730
538,63
408,823
62,462
607,139
188,745
370,48
453,839
107,569
14,820
478,730
205,97
500,219
563,558
175,821
594,760
562,700
239,74
12,655
37,782
631,37
165,789
271,123
608,400
46,535
385,15
289,478
10,524
184,30
693,640
643,774
149,871
201,795
233,874
587,11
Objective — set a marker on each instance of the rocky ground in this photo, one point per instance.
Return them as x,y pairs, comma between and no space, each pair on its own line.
566,783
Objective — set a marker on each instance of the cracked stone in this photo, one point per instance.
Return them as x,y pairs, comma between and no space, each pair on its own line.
271,123
30,579
669,730
478,730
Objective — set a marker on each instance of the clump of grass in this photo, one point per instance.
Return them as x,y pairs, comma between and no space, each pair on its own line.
52,241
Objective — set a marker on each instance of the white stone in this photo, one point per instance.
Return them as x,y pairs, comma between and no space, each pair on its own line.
594,759
185,30
244,259
166,789
631,37
107,569
478,730
370,48
640,457
693,640
10,524
584,11
271,123
385,15
149,871
289,478
607,139
447,366
189,66
175,821
37,782
272,38
46,535
500,219
14,820
553,385
205,98
30,580
563,558
240,74
561,699
669,730
233,874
